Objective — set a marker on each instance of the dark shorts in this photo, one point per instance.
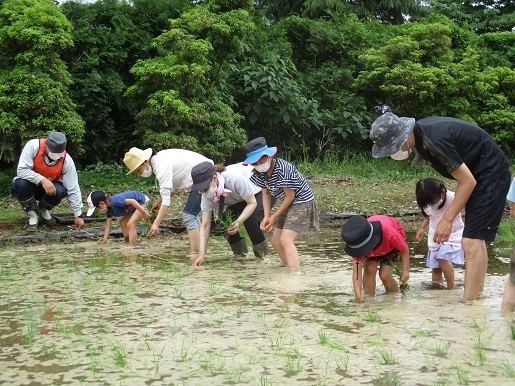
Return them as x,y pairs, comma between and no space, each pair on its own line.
485,207
392,257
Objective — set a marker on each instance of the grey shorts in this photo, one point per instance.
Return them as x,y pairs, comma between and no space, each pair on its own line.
300,218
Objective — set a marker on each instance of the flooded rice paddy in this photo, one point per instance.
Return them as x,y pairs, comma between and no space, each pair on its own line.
80,313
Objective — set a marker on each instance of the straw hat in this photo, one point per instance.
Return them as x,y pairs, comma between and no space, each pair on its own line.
135,157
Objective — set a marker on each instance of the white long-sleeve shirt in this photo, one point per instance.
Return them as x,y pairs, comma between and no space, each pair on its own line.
69,177
172,168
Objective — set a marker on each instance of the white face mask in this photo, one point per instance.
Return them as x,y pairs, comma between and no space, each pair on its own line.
437,205
263,168
147,172
210,193
55,156
401,154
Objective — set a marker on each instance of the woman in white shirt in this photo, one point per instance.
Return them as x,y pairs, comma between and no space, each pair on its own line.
172,169
230,187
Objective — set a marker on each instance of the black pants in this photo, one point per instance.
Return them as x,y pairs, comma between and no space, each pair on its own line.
25,191
251,224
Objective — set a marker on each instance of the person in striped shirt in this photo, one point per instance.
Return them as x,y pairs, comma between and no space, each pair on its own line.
298,211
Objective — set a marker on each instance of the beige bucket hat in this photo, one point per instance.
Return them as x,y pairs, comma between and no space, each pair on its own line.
135,157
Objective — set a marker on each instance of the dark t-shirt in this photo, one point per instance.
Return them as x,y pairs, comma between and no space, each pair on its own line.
446,143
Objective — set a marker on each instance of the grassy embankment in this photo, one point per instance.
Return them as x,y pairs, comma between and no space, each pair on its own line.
356,183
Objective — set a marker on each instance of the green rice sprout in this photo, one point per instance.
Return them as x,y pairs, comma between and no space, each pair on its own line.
322,336
119,355
342,362
386,357
442,348
371,316
507,369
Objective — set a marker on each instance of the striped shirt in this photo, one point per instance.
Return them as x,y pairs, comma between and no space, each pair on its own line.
284,175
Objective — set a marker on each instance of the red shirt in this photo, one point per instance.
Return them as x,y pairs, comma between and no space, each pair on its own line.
393,237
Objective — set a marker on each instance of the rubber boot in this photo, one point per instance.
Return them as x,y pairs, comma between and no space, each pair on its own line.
44,211
31,207
239,248
261,249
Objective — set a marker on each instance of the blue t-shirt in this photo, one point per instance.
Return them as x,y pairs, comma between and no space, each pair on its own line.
118,207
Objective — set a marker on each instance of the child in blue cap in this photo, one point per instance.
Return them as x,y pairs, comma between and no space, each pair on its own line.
298,211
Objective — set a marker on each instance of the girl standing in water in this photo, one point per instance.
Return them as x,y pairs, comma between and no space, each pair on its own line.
434,199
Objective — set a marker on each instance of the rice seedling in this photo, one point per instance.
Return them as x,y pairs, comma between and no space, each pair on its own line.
420,332
264,381
260,313
95,364
342,362
119,355
427,363
293,366
462,375
337,345
512,329
157,358
371,316
479,350
442,348
239,312
252,356
50,351
342,311
281,322
477,327
185,353
322,336
234,373
386,357
507,370
387,378
29,332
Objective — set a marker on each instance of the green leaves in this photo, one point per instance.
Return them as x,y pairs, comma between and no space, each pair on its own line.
33,79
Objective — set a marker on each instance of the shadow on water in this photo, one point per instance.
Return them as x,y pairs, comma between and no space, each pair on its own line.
110,314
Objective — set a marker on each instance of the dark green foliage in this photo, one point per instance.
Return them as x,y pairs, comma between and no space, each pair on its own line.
484,16
175,98
34,81
109,37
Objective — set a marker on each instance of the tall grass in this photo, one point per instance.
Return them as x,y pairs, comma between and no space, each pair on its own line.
363,165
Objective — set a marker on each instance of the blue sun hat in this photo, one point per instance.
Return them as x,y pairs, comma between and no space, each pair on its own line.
256,149
389,132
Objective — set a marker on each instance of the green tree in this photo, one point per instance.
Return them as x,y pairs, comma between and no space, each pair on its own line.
483,16
34,81
176,98
422,73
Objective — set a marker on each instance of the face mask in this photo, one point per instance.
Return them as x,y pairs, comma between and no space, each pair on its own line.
55,156
437,205
210,193
147,172
401,154
263,168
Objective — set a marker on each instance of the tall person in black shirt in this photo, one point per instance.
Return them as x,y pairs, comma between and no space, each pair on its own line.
462,151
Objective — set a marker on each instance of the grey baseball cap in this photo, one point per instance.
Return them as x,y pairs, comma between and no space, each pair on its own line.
56,141
389,132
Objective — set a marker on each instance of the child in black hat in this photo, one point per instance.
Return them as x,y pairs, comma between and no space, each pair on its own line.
376,240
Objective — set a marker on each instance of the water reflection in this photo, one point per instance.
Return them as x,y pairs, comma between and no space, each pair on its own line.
110,314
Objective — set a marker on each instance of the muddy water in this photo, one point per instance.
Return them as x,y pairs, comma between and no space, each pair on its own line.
75,313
